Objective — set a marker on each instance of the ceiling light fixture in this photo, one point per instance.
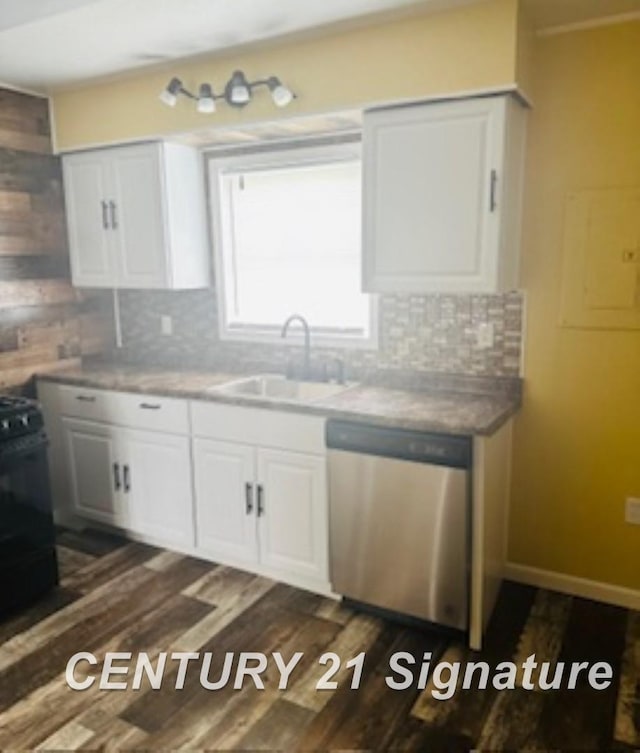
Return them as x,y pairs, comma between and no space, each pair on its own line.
237,92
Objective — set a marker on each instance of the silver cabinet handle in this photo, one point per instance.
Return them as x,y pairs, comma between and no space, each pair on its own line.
260,500
127,479
105,217
116,477
114,219
85,398
248,496
150,406
492,191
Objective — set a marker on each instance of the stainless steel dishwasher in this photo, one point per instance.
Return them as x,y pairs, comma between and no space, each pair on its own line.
399,520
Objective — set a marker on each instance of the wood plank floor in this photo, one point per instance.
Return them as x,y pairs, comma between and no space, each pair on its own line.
121,596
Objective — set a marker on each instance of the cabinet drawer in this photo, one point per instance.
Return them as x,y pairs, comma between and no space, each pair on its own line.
125,409
81,402
149,412
267,428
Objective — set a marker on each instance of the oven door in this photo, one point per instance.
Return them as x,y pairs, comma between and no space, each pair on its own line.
27,536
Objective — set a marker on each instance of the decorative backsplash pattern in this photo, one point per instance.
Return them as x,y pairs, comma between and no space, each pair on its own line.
432,333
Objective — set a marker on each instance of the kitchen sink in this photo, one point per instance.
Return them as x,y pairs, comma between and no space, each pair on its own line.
276,387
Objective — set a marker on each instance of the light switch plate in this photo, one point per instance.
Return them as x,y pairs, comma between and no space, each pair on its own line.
166,325
632,511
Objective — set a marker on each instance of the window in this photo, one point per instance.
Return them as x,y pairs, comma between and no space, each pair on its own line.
287,237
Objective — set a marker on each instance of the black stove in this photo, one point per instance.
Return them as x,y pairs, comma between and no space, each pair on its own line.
28,564
19,417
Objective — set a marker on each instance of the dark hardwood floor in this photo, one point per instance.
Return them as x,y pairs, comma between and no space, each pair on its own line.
127,597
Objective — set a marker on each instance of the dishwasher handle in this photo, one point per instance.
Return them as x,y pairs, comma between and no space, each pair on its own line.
416,446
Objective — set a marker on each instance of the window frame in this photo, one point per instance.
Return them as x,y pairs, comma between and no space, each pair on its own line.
279,155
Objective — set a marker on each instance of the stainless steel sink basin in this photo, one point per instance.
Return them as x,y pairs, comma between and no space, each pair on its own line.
276,387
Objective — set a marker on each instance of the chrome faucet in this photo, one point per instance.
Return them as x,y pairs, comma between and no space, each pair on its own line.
307,340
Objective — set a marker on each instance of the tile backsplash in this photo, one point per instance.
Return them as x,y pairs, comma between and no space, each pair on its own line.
430,333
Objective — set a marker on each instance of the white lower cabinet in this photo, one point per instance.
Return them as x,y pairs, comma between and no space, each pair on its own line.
157,480
292,513
263,508
225,506
93,471
241,486
138,480
258,506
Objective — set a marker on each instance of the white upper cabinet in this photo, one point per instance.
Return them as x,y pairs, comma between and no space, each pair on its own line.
136,217
442,196
92,261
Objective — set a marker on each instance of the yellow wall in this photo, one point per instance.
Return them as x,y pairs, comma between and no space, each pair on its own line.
471,47
577,441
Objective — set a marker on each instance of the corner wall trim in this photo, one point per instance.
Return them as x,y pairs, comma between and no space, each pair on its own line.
592,23
569,584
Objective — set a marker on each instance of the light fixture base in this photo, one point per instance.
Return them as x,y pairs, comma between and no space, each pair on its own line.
237,92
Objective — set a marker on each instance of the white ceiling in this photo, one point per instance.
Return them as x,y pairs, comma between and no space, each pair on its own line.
51,43
45,44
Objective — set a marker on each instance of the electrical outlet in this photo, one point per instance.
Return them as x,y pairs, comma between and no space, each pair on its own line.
632,511
485,335
166,325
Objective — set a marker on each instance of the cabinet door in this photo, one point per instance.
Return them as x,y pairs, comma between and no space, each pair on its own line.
431,185
157,486
90,233
95,475
225,500
137,212
293,516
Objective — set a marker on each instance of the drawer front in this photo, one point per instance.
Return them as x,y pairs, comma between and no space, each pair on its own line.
149,412
126,409
81,402
267,428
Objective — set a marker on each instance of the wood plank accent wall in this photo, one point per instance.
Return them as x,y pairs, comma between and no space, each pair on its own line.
44,323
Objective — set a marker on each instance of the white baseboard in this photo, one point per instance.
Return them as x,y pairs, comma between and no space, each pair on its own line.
569,584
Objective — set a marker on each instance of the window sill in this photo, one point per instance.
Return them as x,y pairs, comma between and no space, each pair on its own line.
319,339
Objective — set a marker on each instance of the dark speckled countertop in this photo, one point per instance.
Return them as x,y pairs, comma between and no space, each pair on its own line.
446,406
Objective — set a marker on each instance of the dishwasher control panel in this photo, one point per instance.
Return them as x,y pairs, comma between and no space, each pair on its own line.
418,447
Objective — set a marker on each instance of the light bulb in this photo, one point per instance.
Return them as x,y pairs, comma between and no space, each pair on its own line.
238,91
206,102
169,95
240,94
282,96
